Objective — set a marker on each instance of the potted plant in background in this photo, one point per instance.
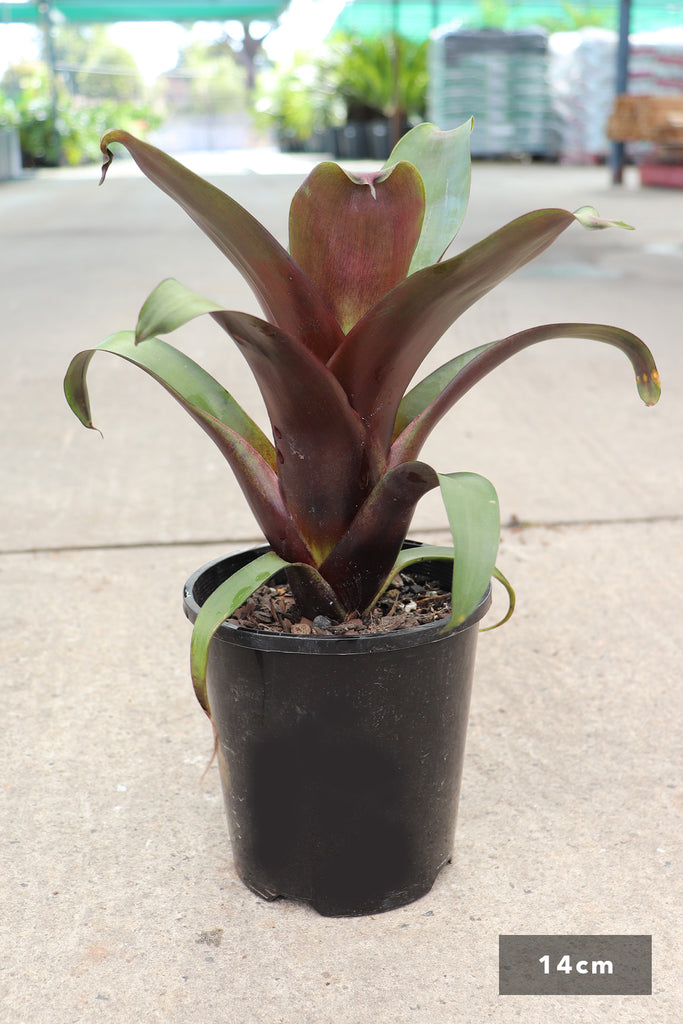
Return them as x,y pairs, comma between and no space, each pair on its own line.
292,102
382,81
350,99
340,740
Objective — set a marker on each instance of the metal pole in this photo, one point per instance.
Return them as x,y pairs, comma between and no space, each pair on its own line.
396,126
617,159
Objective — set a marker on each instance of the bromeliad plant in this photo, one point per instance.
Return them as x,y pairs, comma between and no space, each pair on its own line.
350,312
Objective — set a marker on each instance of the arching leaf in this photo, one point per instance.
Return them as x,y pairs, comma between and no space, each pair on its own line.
415,401
355,236
218,607
381,354
472,506
225,600
443,161
247,450
512,600
467,370
357,566
287,297
171,305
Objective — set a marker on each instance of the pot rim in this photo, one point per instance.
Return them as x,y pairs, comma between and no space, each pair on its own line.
371,643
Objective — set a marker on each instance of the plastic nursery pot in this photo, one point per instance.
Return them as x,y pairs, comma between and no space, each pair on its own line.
340,757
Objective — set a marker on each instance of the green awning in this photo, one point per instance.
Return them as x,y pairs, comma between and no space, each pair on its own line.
92,11
416,18
413,19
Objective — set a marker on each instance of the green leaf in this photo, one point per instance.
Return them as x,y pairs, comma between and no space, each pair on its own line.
589,217
498,575
429,553
228,597
412,556
354,236
423,553
170,306
415,401
218,607
190,385
249,453
474,519
443,161
477,363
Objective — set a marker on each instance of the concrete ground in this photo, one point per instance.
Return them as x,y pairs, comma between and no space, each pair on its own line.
120,903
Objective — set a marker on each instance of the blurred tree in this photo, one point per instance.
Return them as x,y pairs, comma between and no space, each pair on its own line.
351,79
56,127
248,49
294,101
207,79
91,65
577,17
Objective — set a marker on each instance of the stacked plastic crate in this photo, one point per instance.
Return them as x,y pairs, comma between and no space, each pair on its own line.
502,79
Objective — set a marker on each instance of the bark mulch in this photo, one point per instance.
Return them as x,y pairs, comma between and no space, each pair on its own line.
413,599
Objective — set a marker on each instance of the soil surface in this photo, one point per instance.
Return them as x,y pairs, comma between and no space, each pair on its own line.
413,599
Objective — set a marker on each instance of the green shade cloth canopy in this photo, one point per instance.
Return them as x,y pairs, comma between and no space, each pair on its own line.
416,18
86,12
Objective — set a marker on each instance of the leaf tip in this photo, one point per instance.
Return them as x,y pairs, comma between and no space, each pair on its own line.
649,387
111,136
109,156
589,218
90,425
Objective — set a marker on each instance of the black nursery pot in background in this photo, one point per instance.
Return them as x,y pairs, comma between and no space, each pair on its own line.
340,757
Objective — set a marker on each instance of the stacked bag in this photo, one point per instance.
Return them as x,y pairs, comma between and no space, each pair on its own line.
502,79
582,77
583,83
547,96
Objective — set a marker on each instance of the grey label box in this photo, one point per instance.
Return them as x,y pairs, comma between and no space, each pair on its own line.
599,965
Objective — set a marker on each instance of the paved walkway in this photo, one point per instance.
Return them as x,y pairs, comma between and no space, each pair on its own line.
121,903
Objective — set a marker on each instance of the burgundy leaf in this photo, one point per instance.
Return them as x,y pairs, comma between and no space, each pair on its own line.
379,357
359,564
313,594
487,358
321,443
287,297
355,237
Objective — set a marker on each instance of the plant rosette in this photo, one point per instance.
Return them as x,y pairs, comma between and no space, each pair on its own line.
350,312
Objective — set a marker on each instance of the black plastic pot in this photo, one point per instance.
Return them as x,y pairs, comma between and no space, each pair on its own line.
379,138
350,141
340,758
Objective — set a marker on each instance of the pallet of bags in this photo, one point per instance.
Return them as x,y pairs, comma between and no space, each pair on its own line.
582,73
583,78
501,78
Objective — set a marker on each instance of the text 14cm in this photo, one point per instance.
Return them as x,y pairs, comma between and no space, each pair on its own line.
565,965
